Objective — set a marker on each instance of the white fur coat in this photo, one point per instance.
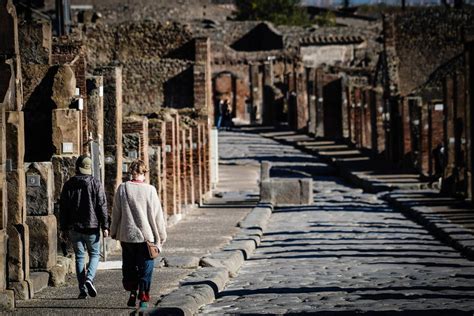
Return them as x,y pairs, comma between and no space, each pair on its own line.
137,215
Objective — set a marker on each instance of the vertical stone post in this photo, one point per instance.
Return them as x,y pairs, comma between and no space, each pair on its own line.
268,94
170,168
203,76
177,156
95,118
5,296
41,221
319,103
301,99
157,138
190,166
255,94
449,134
112,77
184,167
469,68
17,230
311,84
197,145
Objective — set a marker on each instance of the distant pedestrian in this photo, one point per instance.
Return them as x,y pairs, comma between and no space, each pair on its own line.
221,108
137,218
83,213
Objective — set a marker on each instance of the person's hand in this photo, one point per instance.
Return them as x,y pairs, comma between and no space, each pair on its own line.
105,232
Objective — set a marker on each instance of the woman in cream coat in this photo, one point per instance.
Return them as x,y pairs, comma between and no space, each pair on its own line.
137,217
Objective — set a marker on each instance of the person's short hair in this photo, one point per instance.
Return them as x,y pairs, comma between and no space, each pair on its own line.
137,167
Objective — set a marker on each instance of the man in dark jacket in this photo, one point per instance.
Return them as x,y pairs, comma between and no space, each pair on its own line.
83,213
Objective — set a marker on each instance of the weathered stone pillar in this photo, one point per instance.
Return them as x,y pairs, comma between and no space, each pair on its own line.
255,94
171,173
135,142
268,94
112,77
311,82
183,167
469,68
203,76
190,166
301,99
157,138
95,122
40,219
177,155
448,185
319,103
18,232
67,131
197,145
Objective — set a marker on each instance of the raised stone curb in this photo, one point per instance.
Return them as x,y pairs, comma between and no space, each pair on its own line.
187,300
216,278
453,234
231,260
258,217
203,285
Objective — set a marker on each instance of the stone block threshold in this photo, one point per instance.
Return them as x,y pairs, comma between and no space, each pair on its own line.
449,219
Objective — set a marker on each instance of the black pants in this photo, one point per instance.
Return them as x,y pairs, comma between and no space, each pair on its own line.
137,269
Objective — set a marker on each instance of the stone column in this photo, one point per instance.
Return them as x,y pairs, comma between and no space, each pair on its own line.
319,103
40,219
157,138
255,94
170,159
184,167
268,94
177,155
469,67
112,77
95,121
202,76
197,154
301,99
311,82
17,229
190,166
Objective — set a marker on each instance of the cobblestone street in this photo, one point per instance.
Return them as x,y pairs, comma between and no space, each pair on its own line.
347,253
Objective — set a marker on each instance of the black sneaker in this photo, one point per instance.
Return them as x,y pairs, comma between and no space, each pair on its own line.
91,289
132,300
82,296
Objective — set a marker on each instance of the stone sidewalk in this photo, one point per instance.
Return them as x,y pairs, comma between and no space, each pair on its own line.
204,231
449,219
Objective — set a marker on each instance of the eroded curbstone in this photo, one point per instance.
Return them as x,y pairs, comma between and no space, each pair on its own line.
215,277
257,218
231,260
185,262
246,246
186,300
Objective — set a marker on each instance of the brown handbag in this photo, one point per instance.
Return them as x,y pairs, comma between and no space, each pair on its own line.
153,250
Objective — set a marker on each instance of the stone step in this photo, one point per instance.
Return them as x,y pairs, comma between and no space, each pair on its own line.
39,280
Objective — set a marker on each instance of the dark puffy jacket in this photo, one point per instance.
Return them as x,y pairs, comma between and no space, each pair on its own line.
83,206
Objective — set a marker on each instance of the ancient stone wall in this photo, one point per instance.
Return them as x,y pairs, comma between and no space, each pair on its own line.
153,61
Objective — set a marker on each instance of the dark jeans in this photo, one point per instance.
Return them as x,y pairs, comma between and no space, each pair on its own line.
137,269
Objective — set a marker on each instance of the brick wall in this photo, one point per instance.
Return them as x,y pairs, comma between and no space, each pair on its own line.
171,173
